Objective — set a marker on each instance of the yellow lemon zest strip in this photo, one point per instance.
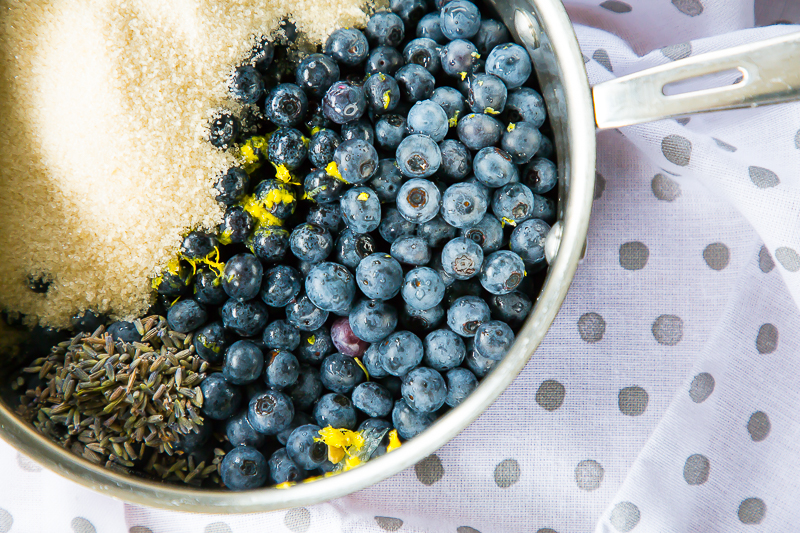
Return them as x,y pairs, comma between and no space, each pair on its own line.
363,197
359,363
491,111
453,122
394,441
511,127
312,339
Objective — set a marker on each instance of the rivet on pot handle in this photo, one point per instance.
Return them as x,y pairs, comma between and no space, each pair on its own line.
770,74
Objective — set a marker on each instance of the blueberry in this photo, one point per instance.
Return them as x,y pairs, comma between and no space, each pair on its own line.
460,288
460,19
88,321
315,74
331,287
283,469
382,93
232,186
488,234
546,148
411,251
429,28
460,384
467,314
287,104
478,364
262,54
210,342
344,102
493,339
356,160
361,209
490,34
280,335
241,277
323,188
359,129
400,352
379,276
443,350
314,346
423,52
243,363
287,147
389,133
244,318
487,94
436,232
415,82
223,130
459,58
372,320
463,205
328,216
315,119
307,389
304,450
125,332
502,272
241,433
494,168
347,45
282,369
525,105
410,423
372,362
269,243
394,226
411,11
245,85
424,390
423,288
344,340
208,287
270,412
423,320
385,29
462,258
340,373
310,242
304,315
173,281
513,203
351,248
540,175
220,398
528,239
243,468
511,63
543,209
236,226
275,197
418,156
456,160
512,308
186,316
383,60
427,117
320,152
373,399
478,131
300,419
451,101
198,245
335,410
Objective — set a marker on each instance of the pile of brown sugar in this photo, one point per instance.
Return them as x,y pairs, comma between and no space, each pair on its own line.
103,161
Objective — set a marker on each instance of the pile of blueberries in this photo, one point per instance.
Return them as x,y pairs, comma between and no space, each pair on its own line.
400,184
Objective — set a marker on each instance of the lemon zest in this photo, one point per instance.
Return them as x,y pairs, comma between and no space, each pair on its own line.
259,212
490,111
315,130
364,368
333,170
251,151
285,485
351,462
476,55
174,301
511,127
312,339
340,442
387,98
453,122
506,220
463,75
282,173
312,478
363,197
225,237
335,455
394,441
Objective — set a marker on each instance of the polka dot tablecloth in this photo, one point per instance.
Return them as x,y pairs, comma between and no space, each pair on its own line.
665,397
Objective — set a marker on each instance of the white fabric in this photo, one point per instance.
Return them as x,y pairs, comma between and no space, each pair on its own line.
665,395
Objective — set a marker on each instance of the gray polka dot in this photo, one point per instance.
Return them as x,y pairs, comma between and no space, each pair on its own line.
668,330
725,146
683,120
717,255
506,473
664,188
632,401
601,56
759,426
6,521
696,468
27,464
677,51
797,140
599,185
677,150
616,6
387,523
763,178
624,516
298,520
767,339
218,527
689,7
788,258
466,529
701,388
765,262
550,395
546,530
588,474
140,529
633,255
429,470
81,525
592,326
752,511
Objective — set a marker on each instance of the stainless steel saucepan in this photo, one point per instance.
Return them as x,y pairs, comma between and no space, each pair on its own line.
770,74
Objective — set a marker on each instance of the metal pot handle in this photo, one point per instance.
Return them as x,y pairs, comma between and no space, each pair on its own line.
770,74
